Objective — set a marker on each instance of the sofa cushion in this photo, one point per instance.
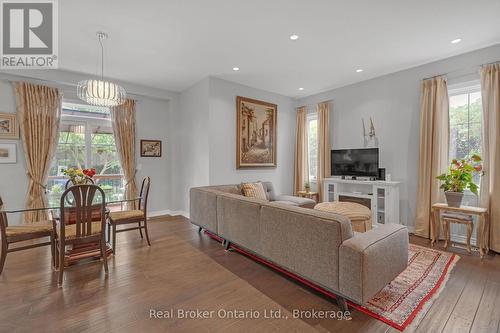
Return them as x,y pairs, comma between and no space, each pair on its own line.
254,190
270,192
298,201
286,202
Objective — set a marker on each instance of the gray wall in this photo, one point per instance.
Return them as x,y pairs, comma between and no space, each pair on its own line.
205,136
153,115
393,101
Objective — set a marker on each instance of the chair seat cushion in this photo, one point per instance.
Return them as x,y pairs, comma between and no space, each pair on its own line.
124,215
39,229
70,231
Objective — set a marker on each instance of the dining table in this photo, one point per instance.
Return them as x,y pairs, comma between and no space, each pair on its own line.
76,252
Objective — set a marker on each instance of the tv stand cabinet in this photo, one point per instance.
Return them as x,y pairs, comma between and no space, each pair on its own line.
382,197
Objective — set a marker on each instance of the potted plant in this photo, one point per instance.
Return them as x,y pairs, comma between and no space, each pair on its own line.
307,186
460,177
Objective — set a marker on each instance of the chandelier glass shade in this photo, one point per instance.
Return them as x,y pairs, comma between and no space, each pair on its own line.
99,91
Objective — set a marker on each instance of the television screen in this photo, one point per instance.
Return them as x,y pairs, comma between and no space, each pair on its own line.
355,162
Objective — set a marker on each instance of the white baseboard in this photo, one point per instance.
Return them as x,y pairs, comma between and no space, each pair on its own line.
168,212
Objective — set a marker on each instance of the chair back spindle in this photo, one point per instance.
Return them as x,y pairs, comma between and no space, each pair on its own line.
87,205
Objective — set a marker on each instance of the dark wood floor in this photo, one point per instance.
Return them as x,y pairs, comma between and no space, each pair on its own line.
186,270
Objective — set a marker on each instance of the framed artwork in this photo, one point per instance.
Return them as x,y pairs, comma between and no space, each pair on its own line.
256,133
8,153
8,126
150,148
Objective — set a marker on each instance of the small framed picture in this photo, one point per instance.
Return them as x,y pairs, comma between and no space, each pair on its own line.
150,148
8,126
8,153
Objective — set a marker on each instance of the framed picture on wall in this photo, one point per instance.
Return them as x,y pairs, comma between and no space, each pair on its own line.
8,126
256,133
8,153
150,148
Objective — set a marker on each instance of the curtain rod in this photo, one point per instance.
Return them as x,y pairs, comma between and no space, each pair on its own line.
307,105
476,67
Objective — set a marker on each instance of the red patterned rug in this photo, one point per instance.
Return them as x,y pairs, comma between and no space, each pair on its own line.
405,301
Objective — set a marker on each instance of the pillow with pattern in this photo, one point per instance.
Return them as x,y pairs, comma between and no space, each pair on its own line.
254,190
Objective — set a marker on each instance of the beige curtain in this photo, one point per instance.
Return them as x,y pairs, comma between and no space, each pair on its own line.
301,151
39,113
123,117
323,169
434,149
490,182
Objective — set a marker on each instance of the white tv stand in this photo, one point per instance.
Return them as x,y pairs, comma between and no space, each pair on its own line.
381,196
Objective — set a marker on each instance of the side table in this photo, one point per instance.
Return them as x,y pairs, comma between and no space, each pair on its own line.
309,195
481,230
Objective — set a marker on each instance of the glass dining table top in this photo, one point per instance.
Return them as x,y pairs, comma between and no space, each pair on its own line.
11,210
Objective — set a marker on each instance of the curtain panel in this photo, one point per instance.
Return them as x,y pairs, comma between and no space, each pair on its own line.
301,151
323,169
123,119
434,150
39,113
490,181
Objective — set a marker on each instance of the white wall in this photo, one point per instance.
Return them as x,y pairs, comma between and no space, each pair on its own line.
191,152
393,103
223,137
153,121
205,133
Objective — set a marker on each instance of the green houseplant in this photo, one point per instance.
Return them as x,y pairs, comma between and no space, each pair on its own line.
460,177
307,187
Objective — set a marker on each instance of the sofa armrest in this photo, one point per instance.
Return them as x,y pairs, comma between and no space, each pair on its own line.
369,261
301,202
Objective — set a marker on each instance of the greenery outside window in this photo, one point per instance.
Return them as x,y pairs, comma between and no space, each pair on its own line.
86,141
465,114
312,138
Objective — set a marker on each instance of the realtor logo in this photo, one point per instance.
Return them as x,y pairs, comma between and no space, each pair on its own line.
29,34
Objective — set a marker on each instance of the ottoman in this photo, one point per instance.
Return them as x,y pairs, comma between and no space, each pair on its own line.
360,216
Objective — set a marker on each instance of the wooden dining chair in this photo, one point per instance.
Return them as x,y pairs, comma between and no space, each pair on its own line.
82,222
139,216
20,233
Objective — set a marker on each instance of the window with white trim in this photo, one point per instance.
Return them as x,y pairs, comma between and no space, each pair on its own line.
312,138
86,141
465,122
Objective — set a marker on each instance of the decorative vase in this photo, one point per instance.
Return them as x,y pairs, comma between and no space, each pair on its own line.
454,199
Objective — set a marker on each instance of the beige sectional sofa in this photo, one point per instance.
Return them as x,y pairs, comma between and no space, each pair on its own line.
318,246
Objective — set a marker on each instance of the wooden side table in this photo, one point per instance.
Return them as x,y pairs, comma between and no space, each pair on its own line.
481,230
309,195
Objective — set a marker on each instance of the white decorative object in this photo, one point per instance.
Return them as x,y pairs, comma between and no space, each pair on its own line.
383,196
98,91
8,153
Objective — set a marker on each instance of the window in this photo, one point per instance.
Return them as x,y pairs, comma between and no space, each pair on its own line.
86,141
465,123
312,137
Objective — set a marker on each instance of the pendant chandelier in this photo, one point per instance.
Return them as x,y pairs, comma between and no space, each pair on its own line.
98,91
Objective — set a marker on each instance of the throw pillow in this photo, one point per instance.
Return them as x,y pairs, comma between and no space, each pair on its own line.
254,190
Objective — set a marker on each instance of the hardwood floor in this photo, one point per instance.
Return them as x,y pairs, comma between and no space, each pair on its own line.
187,270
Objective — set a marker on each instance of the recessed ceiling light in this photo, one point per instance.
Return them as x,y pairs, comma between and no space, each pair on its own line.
236,69
455,41
359,70
301,89
294,37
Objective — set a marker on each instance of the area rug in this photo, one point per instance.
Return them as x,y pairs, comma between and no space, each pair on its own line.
404,302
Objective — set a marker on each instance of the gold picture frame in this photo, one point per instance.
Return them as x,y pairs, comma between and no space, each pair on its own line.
9,129
256,128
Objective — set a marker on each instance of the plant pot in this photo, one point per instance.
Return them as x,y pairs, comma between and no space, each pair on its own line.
454,199
308,189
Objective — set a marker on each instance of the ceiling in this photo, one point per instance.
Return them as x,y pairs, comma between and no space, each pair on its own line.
172,44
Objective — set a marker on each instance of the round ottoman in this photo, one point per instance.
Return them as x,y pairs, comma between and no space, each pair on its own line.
360,216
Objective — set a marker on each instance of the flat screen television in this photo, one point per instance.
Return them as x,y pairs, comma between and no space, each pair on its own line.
355,162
